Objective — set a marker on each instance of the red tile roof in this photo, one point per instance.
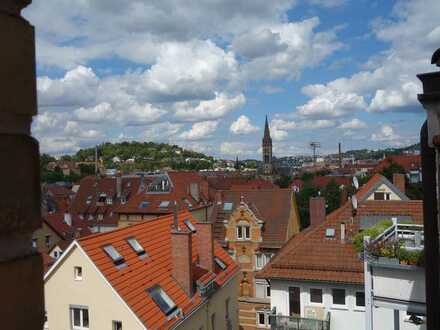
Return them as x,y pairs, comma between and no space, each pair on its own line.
408,162
132,281
273,206
311,256
79,227
179,192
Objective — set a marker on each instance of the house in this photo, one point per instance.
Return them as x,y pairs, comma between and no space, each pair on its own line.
252,225
167,273
188,189
98,198
318,277
412,164
322,181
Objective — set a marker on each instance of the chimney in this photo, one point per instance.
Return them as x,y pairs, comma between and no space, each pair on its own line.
399,181
68,218
118,185
181,256
205,245
218,197
175,217
342,232
344,195
194,191
317,210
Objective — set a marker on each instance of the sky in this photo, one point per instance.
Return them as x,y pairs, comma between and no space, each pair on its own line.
203,74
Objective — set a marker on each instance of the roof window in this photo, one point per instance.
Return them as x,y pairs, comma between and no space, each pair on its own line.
160,297
220,263
164,204
227,206
144,204
114,255
136,246
190,225
330,232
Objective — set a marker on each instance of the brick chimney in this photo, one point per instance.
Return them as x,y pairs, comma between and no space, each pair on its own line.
399,181
118,185
317,210
205,245
181,257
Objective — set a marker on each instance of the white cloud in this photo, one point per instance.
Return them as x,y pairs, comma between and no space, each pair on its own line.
242,126
331,105
236,149
279,128
387,134
327,3
201,130
317,124
268,89
353,124
58,145
215,108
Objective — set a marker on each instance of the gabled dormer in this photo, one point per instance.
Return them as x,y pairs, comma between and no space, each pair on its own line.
244,225
380,188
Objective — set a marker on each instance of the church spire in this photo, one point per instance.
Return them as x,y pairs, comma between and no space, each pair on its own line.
266,130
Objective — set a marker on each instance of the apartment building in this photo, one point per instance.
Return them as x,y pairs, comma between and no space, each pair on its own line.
166,273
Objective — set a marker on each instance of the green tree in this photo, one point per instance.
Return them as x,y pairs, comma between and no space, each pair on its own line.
302,200
283,181
332,195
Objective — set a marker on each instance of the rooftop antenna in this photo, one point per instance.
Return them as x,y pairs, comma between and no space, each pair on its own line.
314,146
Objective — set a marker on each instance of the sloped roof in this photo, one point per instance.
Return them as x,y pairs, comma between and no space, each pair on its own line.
311,256
377,180
408,162
273,206
179,192
132,281
79,227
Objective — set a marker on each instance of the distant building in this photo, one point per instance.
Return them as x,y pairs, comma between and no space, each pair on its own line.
412,164
162,274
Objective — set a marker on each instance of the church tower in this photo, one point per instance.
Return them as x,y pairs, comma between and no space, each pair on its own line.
267,151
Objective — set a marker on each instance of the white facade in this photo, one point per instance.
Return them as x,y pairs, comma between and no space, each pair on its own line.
342,317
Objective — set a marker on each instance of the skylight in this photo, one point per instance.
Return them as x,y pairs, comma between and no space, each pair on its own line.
136,246
330,232
114,255
165,303
227,206
190,225
164,204
144,204
220,263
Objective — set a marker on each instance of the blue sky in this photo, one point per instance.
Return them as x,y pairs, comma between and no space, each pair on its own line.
204,73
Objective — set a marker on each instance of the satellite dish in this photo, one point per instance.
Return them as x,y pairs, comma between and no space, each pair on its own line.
354,202
355,182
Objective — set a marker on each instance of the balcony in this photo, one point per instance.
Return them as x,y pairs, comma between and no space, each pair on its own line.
279,322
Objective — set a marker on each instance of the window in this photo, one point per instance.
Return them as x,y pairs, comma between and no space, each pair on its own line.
100,216
116,325
338,296
213,321
190,226
263,319
316,296
260,260
381,196
136,246
227,308
79,318
220,263
243,232
330,232
360,299
268,291
164,204
165,303
77,273
109,201
144,204
34,242
55,254
114,255
262,289
227,206
47,240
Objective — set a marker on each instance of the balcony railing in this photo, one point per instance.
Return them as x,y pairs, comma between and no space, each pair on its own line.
410,235
279,322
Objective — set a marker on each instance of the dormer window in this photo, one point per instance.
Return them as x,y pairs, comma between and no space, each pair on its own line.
160,297
133,242
190,226
109,201
144,204
227,206
382,196
243,232
118,260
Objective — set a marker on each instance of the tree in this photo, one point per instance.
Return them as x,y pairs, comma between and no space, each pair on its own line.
283,181
302,200
392,169
332,195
